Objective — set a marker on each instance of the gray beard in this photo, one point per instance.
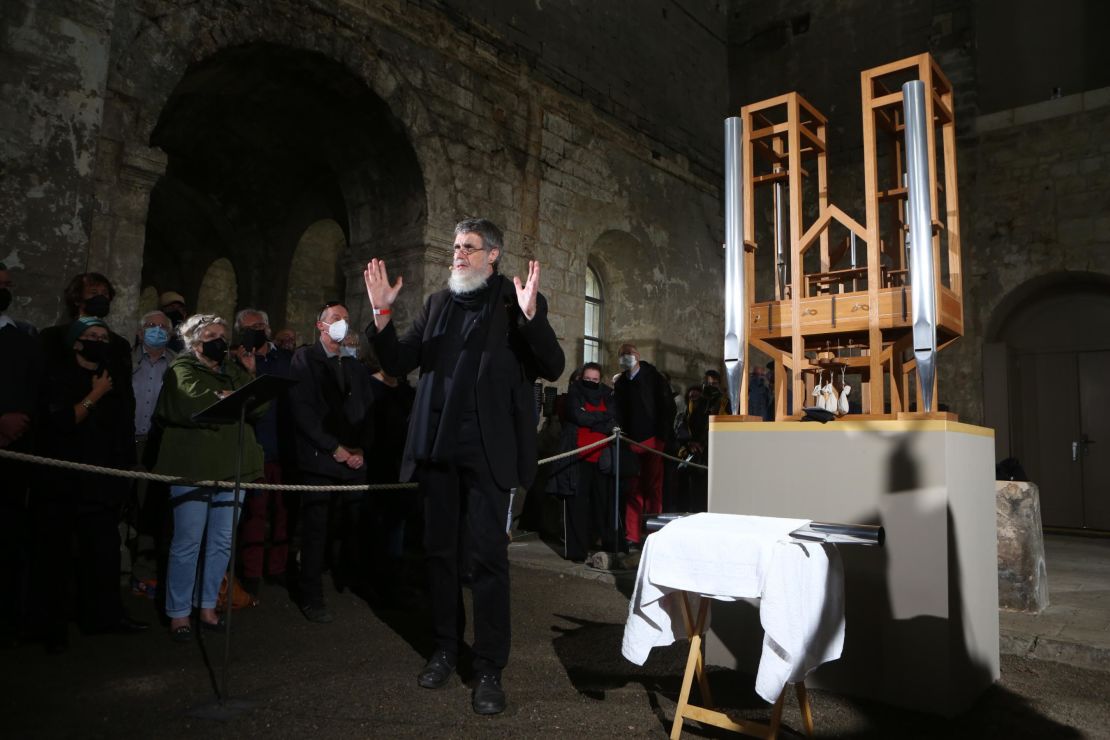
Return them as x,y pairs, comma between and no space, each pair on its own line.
469,282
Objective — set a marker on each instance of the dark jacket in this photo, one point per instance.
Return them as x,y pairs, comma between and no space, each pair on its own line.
56,353
105,437
274,431
515,353
326,415
644,405
20,375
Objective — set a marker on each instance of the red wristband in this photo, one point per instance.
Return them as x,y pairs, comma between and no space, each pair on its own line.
382,311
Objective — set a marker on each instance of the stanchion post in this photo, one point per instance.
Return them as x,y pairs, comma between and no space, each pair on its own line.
617,489
234,543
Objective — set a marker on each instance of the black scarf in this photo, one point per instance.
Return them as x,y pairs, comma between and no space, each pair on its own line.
460,336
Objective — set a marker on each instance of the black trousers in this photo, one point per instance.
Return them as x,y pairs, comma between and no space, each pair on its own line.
590,513
465,521
83,541
316,511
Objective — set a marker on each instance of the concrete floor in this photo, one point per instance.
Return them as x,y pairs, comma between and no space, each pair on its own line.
1075,628
566,678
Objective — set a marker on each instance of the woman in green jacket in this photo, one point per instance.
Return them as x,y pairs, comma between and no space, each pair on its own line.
197,378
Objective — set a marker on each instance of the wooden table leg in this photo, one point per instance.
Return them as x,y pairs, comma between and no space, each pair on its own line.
803,705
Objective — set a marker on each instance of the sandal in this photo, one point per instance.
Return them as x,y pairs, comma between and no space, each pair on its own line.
220,625
182,634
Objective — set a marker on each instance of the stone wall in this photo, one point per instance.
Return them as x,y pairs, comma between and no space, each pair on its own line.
563,122
53,73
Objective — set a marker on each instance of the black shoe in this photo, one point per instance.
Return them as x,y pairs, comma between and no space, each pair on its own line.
488,696
317,614
220,625
250,584
437,672
129,626
276,579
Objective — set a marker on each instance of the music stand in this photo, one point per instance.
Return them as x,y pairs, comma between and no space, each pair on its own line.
234,407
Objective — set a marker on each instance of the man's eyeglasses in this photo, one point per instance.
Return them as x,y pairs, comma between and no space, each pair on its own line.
467,251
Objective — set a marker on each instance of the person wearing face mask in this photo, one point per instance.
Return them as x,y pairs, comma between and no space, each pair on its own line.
84,419
333,426
274,431
196,379
645,413
172,304
150,360
90,294
589,512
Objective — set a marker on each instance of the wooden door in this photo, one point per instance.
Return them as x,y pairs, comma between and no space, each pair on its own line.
1066,434
1094,437
1050,404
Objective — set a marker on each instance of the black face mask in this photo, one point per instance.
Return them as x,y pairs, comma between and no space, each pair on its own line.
175,317
592,385
252,338
93,351
5,299
214,349
98,306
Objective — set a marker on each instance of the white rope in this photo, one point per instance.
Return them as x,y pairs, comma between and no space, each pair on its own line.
248,486
664,454
223,484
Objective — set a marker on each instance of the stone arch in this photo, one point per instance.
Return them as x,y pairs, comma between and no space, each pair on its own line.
149,70
218,292
314,276
148,299
1061,312
263,141
160,52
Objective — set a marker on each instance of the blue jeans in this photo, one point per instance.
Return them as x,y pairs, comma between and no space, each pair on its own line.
191,515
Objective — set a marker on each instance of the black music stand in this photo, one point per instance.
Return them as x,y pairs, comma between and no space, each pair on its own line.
234,407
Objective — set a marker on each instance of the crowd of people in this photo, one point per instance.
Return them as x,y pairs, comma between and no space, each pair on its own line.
80,392
599,514
466,434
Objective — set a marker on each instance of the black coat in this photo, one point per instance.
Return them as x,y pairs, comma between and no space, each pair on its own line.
105,437
516,351
326,416
645,402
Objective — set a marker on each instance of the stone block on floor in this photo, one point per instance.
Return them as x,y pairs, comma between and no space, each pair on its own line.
1022,577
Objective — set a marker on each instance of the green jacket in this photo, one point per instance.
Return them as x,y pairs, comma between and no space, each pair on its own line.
203,451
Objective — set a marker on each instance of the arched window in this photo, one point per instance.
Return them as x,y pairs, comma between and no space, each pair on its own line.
219,290
591,332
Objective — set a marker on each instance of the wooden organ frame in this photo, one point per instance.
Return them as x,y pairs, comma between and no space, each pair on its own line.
846,320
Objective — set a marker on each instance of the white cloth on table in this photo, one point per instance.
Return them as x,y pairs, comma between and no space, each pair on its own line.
730,557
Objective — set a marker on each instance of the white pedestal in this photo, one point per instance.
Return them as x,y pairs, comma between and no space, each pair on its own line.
922,612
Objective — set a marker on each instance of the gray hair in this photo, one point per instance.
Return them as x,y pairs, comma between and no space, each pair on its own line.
239,317
151,314
492,238
191,328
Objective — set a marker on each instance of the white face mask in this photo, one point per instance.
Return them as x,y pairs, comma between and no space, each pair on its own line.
338,330
347,351
627,362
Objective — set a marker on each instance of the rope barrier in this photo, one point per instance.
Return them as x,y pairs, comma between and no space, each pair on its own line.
664,454
223,484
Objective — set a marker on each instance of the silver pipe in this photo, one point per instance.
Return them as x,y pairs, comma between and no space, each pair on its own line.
735,298
923,297
841,534
780,236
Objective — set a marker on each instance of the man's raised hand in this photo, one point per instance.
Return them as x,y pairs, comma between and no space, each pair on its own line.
378,290
526,294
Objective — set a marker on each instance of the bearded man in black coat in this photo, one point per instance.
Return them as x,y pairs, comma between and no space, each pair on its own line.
480,345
